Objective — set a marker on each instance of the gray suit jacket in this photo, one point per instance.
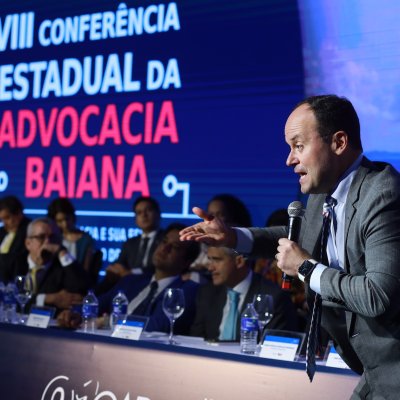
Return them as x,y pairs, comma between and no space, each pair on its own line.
361,307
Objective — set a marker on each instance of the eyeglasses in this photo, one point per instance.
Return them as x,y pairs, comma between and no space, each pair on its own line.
42,237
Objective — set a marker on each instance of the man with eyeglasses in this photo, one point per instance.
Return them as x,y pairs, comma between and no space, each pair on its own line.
58,279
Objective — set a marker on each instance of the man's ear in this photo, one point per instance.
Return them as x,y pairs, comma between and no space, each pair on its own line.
340,142
240,261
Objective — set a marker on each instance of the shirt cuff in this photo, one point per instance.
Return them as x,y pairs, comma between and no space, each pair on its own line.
66,259
40,299
244,240
315,280
137,271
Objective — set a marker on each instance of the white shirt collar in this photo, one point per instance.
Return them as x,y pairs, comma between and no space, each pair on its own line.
243,286
149,235
32,264
343,187
164,283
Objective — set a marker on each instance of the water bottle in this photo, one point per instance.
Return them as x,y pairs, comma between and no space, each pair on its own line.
249,330
119,308
2,289
10,304
90,309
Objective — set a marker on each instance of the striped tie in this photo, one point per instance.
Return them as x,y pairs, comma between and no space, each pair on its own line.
35,276
312,343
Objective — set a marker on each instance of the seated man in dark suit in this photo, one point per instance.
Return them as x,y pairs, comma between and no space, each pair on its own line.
145,293
231,271
136,253
58,280
12,235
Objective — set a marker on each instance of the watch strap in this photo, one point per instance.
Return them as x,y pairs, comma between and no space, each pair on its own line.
306,269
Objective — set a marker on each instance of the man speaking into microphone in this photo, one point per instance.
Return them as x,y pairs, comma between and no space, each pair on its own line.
349,243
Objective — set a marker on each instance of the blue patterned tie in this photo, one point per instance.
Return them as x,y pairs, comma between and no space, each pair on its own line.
229,330
312,342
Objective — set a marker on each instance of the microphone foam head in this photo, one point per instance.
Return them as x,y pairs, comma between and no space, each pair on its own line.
295,209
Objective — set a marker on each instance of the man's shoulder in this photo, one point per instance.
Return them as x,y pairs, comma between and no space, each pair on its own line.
187,284
159,233
209,291
377,179
25,222
135,280
379,169
190,289
131,241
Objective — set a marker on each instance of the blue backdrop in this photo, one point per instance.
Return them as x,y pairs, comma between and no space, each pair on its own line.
106,101
103,102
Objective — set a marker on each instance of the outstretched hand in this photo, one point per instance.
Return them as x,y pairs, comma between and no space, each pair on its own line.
212,231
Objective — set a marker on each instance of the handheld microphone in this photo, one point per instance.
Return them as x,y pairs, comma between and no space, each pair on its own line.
296,212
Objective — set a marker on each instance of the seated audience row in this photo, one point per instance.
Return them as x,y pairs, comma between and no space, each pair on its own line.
61,263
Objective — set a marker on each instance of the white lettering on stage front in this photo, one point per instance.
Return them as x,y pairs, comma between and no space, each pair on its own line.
55,388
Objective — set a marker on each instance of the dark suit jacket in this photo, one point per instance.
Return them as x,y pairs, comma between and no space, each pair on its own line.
7,261
132,285
72,278
127,258
361,307
211,301
130,250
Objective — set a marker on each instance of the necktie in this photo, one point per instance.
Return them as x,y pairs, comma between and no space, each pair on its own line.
7,242
36,273
142,252
144,308
328,215
312,343
229,329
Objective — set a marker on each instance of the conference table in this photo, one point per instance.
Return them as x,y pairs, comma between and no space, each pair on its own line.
55,364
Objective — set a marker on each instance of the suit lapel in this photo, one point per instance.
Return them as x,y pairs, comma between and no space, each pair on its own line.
154,244
254,288
216,312
44,276
352,200
177,283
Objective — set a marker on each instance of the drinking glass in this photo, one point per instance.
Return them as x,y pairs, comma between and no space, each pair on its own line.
23,293
173,306
264,305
